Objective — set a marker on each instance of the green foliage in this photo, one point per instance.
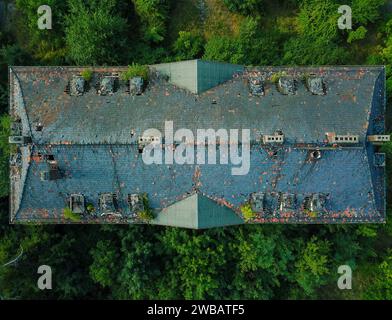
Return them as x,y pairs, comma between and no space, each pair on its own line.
365,11
277,75
251,46
243,6
305,50
45,45
93,30
247,212
312,265
87,74
135,70
221,48
188,45
90,208
146,215
153,15
317,19
358,34
369,231
104,262
68,214
5,151
380,287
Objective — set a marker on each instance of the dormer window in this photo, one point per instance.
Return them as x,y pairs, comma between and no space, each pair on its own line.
256,86
257,201
287,201
77,203
107,203
106,86
136,86
315,202
287,85
316,85
135,202
77,86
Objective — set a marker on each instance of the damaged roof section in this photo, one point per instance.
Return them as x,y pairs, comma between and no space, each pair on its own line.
315,136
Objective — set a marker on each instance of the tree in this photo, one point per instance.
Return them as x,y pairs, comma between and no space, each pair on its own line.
45,45
188,45
312,265
358,34
245,7
381,286
93,31
5,150
153,15
365,11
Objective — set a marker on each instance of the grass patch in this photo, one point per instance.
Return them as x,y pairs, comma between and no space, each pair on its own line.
135,70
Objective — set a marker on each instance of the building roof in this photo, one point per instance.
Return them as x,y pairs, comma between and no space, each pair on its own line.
94,140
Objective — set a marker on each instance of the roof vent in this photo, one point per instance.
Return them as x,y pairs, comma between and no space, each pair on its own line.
77,86
316,85
77,203
39,127
256,86
275,138
106,86
342,139
257,201
287,85
314,155
379,138
136,86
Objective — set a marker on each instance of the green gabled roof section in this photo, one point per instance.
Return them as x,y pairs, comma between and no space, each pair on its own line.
198,76
197,212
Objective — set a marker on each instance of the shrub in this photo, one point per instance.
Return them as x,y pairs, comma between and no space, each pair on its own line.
247,212
146,215
68,214
87,74
90,208
135,70
358,34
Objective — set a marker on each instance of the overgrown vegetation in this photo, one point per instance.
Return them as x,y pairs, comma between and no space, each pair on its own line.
87,74
68,214
146,215
247,212
242,262
135,70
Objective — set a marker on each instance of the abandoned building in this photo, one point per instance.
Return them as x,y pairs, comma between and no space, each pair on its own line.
315,152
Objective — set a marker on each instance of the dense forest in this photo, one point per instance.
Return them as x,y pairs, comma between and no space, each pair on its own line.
147,262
